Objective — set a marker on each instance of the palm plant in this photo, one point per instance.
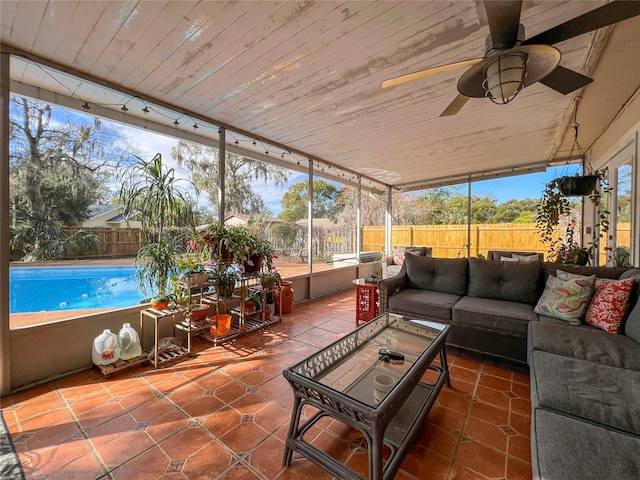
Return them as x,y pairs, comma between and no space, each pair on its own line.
163,201
155,191
40,237
155,264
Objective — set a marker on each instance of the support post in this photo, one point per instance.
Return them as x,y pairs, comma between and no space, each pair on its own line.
358,218
388,219
5,344
310,224
222,155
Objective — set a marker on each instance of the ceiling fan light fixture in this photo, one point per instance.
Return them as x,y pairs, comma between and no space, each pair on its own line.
505,77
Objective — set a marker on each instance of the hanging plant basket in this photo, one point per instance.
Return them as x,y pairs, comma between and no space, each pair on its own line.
577,186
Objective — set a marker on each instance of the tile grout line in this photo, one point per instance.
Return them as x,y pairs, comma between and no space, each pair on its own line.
453,460
83,432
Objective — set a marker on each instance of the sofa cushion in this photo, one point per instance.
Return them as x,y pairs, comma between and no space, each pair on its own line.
499,315
563,447
635,274
423,303
584,343
632,325
511,281
599,393
526,258
446,275
566,299
499,255
609,304
600,272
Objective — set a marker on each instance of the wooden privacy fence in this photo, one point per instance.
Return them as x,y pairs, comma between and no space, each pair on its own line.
115,242
447,241
450,241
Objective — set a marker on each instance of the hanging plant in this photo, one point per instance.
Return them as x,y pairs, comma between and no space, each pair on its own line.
554,206
578,185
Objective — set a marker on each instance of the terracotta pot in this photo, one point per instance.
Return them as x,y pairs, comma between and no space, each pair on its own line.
159,303
221,325
265,314
286,294
255,265
249,306
193,279
199,312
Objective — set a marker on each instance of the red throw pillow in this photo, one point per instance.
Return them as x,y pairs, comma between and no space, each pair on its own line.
609,304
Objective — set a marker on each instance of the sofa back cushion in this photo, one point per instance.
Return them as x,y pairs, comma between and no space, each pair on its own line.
635,294
511,281
632,325
446,275
500,255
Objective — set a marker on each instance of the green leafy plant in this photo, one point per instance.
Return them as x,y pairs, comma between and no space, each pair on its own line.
155,264
162,199
270,279
554,206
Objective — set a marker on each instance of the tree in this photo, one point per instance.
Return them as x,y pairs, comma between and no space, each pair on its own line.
295,201
53,149
516,211
58,165
240,171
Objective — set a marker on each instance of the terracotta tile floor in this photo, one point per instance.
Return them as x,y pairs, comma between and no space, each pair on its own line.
223,414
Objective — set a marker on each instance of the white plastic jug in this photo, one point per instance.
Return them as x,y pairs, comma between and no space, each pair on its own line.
129,342
105,348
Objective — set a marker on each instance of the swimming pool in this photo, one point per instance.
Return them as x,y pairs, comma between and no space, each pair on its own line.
36,289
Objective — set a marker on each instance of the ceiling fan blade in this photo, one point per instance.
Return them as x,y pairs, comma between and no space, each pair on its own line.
600,17
504,21
392,82
565,81
455,106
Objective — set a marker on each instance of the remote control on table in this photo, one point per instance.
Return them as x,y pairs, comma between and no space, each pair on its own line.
390,355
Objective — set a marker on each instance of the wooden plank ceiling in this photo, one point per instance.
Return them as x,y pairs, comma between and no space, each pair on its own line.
306,76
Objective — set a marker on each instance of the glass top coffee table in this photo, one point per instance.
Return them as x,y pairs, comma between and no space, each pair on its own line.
372,380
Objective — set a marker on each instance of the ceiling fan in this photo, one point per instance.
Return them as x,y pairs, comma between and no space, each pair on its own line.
512,62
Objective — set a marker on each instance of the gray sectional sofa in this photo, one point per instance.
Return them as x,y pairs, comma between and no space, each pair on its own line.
585,382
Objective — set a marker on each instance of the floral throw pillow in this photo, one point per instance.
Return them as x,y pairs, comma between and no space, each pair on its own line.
609,304
566,299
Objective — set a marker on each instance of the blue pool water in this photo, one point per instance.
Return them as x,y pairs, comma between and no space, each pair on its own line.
36,289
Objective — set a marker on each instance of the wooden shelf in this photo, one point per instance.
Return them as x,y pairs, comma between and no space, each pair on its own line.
168,357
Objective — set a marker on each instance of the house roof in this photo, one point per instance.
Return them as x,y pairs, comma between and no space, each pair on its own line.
303,78
99,210
320,222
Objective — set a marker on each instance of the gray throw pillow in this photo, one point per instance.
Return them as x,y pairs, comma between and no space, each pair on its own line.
445,275
511,281
632,325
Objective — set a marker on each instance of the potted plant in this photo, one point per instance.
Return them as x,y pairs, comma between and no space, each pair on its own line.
554,208
154,264
224,243
261,307
225,281
260,253
192,271
153,190
194,310
577,185
270,279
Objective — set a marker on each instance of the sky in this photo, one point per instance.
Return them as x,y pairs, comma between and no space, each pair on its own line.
503,189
